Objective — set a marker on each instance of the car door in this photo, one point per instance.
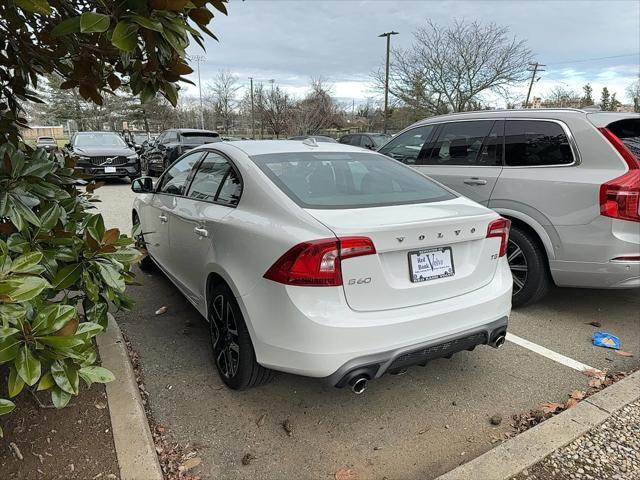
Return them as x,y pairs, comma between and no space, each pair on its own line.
213,193
466,156
157,220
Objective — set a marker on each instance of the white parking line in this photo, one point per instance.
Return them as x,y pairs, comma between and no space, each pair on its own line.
550,354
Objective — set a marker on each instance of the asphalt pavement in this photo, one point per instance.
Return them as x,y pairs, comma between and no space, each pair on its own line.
417,425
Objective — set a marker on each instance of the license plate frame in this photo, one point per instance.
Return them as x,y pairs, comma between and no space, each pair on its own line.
444,272
110,170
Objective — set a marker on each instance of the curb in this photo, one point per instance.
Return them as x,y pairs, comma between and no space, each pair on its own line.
134,444
528,448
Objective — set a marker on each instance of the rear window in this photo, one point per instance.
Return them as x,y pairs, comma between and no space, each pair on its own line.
531,143
46,140
199,138
348,180
628,131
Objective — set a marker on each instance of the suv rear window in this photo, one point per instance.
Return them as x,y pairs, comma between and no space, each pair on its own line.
628,131
530,143
348,180
199,138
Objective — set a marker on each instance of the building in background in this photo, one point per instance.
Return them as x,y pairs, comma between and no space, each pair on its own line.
55,131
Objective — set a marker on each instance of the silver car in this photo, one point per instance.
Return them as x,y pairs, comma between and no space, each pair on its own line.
568,179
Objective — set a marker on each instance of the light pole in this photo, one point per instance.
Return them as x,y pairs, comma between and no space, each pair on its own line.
253,125
199,58
386,77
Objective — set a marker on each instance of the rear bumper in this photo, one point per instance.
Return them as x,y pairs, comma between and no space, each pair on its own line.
313,332
613,274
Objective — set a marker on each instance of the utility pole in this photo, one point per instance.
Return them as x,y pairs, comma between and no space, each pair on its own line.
198,59
386,78
536,68
253,125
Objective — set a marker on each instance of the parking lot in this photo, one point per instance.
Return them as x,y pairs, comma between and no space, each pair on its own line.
417,425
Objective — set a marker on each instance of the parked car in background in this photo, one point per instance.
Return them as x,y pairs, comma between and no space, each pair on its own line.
372,141
317,138
104,154
324,260
136,140
48,143
568,179
172,143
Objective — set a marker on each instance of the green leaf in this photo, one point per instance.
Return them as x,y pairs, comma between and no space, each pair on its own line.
170,93
65,376
67,276
25,213
28,263
61,342
95,227
23,289
11,312
6,406
125,36
96,374
28,366
49,216
90,286
16,384
35,6
87,330
70,25
52,318
91,22
111,276
146,22
6,332
97,313
46,382
59,397
17,243
9,350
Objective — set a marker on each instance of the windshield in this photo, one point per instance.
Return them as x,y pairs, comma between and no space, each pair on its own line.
140,138
200,138
380,140
46,140
99,140
348,180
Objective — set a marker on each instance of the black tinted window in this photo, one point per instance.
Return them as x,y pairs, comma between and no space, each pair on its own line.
209,177
200,138
366,142
628,131
459,143
531,143
407,146
231,189
354,140
176,179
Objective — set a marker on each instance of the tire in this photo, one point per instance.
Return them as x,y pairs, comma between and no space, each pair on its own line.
233,352
146,264
529,267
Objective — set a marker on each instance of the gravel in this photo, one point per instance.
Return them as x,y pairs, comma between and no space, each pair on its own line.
610,451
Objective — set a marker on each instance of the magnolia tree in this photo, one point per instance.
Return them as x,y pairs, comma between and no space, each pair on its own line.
60,267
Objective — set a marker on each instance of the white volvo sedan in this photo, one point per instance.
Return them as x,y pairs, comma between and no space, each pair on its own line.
324,260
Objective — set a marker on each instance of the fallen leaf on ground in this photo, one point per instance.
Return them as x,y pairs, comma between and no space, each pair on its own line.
246,460
595,382
161,310
100,405
261,420
287,427
192,462
577,394
595,324
572,402
622,353
346,474
551,407
16,451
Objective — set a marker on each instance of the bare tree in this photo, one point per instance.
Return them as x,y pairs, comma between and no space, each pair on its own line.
633,91
224,96
273,106
316,111
562,97
449,67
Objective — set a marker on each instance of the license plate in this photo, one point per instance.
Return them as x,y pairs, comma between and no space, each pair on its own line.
431,263
109,169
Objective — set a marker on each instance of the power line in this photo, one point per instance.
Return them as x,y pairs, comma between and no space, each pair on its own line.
534,68
595,59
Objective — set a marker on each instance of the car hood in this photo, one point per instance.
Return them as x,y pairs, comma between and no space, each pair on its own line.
104,151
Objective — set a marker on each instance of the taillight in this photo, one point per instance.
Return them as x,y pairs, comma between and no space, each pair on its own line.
620,197
316,263
500,228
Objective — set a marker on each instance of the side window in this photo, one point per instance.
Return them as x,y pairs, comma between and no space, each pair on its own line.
366,142
170,137
407,146
459,143
215,180
345,139
354,140
492,148
532,143
176,179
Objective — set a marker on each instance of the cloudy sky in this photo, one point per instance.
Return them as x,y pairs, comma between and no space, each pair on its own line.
292,40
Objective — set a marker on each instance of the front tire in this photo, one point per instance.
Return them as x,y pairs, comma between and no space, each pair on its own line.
529,268
233,351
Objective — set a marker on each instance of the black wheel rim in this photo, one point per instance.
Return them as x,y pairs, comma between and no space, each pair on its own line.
224,337
518,265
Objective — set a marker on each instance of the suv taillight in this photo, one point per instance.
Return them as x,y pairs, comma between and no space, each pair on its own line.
500,228
316,263
620,197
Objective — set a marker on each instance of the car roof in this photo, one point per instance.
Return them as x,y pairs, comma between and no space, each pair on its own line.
190,130
264,147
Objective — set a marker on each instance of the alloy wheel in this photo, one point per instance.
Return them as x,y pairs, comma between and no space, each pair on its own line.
224,337
518,265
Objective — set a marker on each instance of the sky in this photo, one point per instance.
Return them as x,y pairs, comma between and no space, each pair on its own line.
291,41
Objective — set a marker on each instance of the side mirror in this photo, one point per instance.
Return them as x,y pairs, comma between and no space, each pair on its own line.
142,185
67,145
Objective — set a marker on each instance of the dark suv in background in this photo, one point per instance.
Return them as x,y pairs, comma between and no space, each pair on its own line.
104,154
371,141
171,144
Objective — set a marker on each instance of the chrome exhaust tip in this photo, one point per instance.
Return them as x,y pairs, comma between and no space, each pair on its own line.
359,384
499,341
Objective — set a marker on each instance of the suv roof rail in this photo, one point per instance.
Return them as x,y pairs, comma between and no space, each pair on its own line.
503,110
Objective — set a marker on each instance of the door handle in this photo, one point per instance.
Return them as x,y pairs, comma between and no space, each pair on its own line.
475,181
163,218
202,232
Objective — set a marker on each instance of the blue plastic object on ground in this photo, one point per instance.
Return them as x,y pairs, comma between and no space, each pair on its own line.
604,339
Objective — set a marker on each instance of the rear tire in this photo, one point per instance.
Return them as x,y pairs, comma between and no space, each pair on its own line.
529,267
233,351
146,264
